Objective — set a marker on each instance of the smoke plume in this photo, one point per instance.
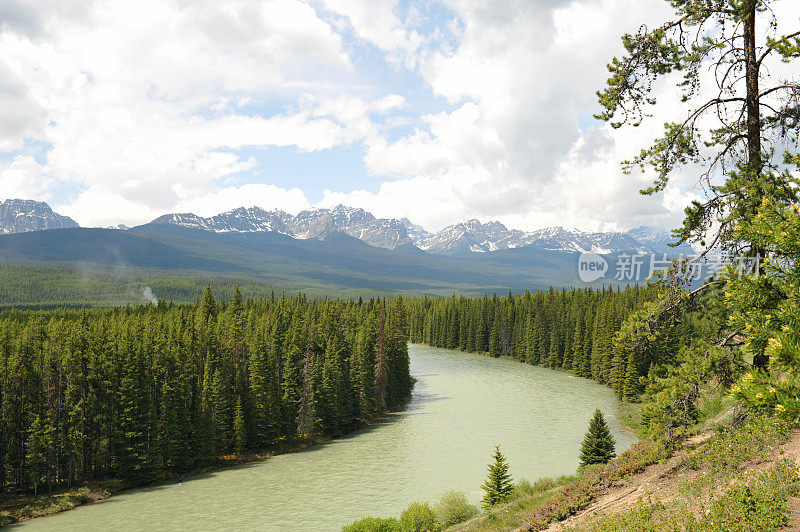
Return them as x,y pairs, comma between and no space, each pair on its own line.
147,292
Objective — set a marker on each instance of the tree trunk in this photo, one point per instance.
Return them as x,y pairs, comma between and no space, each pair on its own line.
754,161
753,117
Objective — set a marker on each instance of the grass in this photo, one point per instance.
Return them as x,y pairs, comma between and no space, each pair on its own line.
722,493
726,452
525,499
715,404
554,500
754,501
630,416
21,507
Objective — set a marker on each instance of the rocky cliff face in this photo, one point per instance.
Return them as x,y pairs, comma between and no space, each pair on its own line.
22,216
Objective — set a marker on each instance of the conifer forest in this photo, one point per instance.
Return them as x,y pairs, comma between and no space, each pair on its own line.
134,392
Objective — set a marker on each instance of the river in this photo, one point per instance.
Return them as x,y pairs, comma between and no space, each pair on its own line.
462,406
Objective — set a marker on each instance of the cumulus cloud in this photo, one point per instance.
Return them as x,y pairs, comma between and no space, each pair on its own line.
23,177
159,106
512,147
144,104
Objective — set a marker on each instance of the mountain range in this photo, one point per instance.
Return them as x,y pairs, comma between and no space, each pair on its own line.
343,252
462,238
465,238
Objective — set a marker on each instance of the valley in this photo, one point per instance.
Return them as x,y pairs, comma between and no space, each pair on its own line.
469,402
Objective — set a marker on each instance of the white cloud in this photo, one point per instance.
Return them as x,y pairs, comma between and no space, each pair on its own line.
378,23
267,197
519,144
23,177
149,106
98,208
120,209
511,148
141,102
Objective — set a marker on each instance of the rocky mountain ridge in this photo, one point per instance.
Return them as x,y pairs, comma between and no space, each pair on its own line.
467,237
464,238
22,216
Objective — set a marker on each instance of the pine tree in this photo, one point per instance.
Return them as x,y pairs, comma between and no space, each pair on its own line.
494,335
499,484
363,372
239,430
39,445
307,414
134,461
220,413
381,364
598,444
131,392
263,414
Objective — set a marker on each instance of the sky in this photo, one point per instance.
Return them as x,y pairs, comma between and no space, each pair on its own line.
117,112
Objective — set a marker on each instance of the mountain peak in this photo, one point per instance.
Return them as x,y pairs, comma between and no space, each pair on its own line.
22,216
315,223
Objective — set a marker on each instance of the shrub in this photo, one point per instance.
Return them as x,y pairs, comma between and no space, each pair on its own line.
758,504
374,524
754,502
419,517
453,508
579,493
645,515
524,487
731,446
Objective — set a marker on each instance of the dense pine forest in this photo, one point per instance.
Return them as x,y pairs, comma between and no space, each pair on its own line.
576,330
136,392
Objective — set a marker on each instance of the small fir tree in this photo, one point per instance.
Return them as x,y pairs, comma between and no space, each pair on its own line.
498,486
598,445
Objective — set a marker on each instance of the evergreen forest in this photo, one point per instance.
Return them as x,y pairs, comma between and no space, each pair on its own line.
137,393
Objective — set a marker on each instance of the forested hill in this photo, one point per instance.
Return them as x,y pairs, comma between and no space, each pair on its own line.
107,267
134,392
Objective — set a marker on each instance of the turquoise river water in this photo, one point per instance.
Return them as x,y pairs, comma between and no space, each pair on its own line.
462,406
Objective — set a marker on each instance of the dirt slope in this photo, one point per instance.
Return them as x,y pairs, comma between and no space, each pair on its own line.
662,482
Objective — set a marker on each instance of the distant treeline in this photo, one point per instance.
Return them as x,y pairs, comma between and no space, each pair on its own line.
571,330
38,287
133,392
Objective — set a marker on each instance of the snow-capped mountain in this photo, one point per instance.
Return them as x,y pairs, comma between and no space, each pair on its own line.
558,238
658,240
420,236
241,220
358,223
318,223
22,216
467,237
474,236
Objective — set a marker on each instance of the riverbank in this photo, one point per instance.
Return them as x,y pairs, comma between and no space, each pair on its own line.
22,507
729,474
733,477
